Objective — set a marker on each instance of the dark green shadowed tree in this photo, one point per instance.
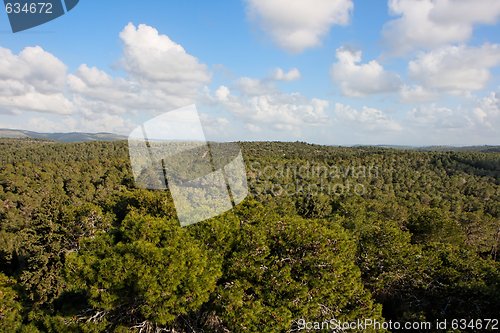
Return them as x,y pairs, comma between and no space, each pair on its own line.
149,270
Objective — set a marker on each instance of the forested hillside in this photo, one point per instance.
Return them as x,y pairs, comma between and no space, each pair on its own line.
326,232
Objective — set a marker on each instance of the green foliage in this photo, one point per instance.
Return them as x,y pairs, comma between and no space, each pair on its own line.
147,269
327,232
10,307
461,284
287,268
432,225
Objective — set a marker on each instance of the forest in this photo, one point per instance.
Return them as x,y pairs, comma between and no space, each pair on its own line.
325,233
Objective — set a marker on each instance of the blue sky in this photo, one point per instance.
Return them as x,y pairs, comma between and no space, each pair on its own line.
324,71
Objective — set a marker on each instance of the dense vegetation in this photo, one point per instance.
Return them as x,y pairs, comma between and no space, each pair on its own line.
327,232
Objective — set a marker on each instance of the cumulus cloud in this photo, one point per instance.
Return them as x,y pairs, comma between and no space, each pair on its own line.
254,87
277,110
216,126
38,102
151,56
439,117
159,75
253,128
100,122
33,80
357,79
369,119
296,24
416,94
160,72
280,75
92,87
455,68
478,119
222,93
487,112
433,23
97,86
465,11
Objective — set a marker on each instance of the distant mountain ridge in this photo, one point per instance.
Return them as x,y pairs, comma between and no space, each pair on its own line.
61,137
85,137
477,148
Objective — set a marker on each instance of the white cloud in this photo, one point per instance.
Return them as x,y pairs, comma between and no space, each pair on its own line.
416,94
159,75
33,80
44,71
481,119
466,11
100,122
38,102
154,57
369,119
433,23
487,112
95,85
438,117
215,126
254,87
297,24
253,128
222,93
280,75
356,79
455,68
276,110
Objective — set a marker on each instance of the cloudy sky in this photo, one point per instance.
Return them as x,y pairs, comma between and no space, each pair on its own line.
339,72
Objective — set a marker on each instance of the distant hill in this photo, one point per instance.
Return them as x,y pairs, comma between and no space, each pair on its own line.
61,137
85,137
485,148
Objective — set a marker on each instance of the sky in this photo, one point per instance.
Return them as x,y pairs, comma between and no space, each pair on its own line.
335,72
